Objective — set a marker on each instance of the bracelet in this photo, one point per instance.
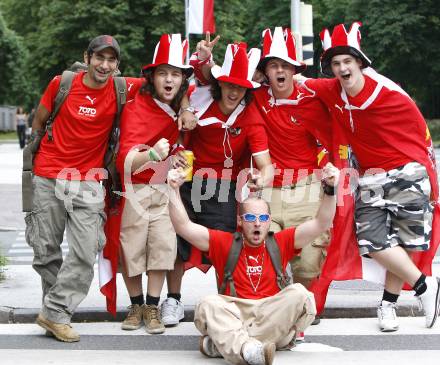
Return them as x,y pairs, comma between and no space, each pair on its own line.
328,190
153,155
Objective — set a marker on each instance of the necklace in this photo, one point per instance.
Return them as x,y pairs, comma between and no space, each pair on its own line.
255,287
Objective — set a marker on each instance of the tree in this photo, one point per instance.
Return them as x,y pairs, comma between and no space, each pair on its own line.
16,86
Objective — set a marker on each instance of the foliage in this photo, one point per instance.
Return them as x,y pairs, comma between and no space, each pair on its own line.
16,86
400,36
3,262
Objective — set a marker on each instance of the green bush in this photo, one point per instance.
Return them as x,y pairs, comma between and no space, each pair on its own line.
3,262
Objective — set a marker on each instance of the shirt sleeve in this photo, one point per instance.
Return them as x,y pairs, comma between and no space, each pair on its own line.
133,86
286,243
219,245
50,93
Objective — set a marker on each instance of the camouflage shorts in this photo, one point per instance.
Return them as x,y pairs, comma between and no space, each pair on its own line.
393,209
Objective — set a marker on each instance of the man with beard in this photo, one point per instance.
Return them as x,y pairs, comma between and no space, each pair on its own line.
261,317
67,193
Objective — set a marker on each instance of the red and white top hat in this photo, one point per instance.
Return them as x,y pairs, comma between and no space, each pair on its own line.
238,67
170,51
341,42
280,45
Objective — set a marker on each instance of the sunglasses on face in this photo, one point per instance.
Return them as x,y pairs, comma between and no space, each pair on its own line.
249,217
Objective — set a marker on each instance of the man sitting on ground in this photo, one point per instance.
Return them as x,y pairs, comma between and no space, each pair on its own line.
258,311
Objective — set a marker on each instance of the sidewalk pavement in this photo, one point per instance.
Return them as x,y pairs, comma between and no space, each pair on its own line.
20,297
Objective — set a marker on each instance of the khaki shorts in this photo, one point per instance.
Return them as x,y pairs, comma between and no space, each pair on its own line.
289,208
148,239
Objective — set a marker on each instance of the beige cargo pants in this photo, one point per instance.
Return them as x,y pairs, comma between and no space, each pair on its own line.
230,321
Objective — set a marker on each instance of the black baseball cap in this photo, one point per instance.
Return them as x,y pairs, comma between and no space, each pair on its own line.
104,41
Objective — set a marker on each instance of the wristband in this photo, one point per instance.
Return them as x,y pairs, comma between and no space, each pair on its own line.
328,190
153,155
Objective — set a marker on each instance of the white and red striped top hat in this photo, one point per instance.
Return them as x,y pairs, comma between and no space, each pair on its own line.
170,51
280,45
341,42
238,67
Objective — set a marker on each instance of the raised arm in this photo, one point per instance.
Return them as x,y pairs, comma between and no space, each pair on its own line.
308,231
194,233
204,55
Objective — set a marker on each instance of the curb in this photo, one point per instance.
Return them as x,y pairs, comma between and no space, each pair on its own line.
28,315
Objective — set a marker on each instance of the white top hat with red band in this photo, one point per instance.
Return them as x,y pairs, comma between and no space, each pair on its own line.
170,51
280,45
238,67
341,42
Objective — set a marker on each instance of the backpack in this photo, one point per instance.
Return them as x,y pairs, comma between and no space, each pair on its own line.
113,182
283,279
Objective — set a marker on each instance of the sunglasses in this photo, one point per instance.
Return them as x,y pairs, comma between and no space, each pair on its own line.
249,217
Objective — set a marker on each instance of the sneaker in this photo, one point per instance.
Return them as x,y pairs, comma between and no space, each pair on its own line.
152,320
299,337
207,347
430,300
316,321
134,318
386,314
171,311
256,353
61,331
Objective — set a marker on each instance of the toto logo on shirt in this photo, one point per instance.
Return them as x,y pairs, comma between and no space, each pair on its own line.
87,111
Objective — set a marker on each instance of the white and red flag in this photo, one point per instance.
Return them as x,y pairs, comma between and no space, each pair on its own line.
201,16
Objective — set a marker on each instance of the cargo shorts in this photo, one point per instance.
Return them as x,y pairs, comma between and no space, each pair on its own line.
393,209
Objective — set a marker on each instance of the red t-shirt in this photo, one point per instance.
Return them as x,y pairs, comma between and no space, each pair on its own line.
258,261
293,126
212,143
380,123
144,122
80,130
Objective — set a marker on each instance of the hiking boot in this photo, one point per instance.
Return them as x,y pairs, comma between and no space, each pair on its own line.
430,300
61,331
171,311
386,314
256,353
152,319
207,347
134,318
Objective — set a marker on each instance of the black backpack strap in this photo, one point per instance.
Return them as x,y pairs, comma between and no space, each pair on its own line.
274,252
63,91
114,181
234,254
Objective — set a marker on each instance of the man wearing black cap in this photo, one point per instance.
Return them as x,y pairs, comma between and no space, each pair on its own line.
68,194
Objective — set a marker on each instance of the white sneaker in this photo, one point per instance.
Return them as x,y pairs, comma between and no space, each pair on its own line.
256,353
430,300
386,314
172,312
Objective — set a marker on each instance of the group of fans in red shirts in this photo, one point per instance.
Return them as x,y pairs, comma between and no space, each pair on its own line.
266,199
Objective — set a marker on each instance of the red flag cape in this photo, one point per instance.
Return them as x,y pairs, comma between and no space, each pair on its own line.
394,108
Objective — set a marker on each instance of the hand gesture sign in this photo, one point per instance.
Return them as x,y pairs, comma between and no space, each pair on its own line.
204,47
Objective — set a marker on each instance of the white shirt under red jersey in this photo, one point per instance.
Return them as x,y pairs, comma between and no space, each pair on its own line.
293,126
219,137
80,130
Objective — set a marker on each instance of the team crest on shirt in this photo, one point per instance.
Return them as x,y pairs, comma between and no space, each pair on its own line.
235,131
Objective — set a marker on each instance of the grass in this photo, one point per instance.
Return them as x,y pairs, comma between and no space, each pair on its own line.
8,135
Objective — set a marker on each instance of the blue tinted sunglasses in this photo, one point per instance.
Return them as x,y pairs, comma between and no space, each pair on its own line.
249,217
